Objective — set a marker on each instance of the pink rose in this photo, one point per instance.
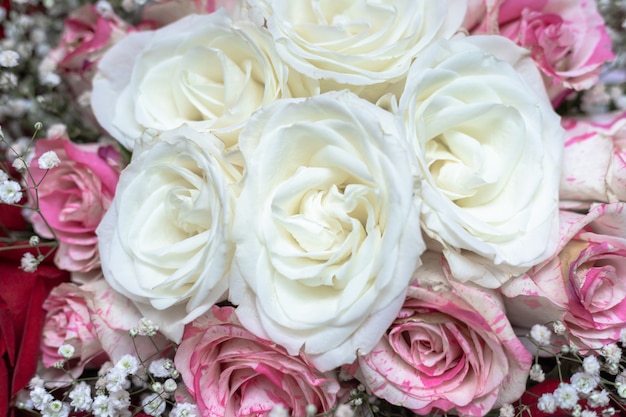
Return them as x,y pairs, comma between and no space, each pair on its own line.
73,197
584,285
164,12
230,372
96,321
88,32
451,348
594,160
567,39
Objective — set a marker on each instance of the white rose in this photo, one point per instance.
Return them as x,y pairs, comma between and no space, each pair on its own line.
326,235
165,241
488,146
366,46
200,70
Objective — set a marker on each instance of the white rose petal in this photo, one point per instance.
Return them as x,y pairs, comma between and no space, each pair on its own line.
199,70
488,147
363,45
327,237
164,242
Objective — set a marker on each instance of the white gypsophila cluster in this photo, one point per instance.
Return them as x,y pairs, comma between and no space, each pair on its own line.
128,363
536,373
559,328
507,410
153,404
10,192
66,351
48,160
612,353
591,365
185,410
29,263
146,327
81,397
540,334
9,59
344,410
566,396
547,403
584,383
161,368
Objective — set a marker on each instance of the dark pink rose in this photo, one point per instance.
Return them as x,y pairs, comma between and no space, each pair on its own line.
96,321
594,160
450,349
73,197
567,39
230,372
88,32
584,285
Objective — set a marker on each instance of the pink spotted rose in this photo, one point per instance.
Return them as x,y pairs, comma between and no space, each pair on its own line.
594,160
87,33
73,197
96,321
451,348
584,285
229,372
567,39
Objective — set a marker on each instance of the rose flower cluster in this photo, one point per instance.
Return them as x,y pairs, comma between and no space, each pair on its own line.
325,195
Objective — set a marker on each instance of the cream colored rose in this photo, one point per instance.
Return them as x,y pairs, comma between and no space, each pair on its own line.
326,232
200,70
488,146
366,46
165,241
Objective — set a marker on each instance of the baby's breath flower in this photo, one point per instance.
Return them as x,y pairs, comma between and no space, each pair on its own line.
507,410
540,334
588,413
547,403
573,349
66,351
559,327
608,412
536,373
128,363
19,165
120,399
3,176
591,365
598,399
184,410
34,240
10,192
56,408
8,80
116,380
9,59
344,410
48,160
153,404
157,387
81,397
621,389
28,262
566,396
174,374
102,407
584,383
311,410
146,327
170,385
612,353
35,382
40,397
160,368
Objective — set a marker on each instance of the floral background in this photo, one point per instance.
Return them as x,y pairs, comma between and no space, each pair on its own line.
238,208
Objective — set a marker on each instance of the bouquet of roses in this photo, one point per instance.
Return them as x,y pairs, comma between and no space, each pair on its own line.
272,208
